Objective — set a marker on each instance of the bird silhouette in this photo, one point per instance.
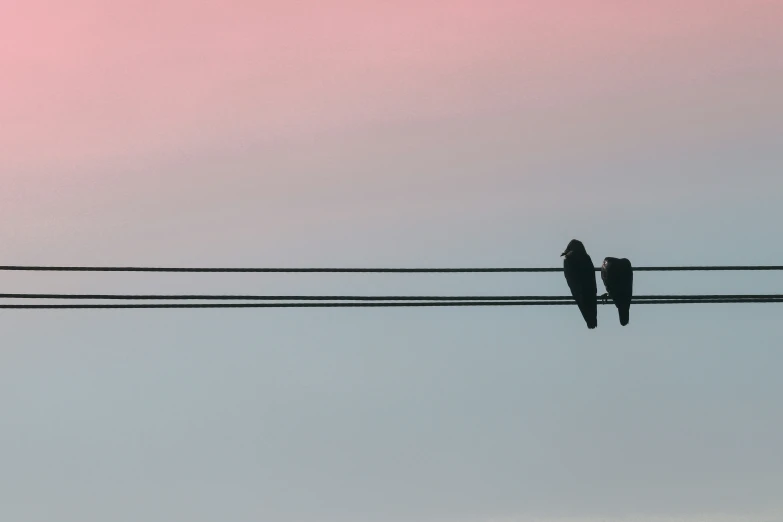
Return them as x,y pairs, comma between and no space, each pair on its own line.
580,276
617,275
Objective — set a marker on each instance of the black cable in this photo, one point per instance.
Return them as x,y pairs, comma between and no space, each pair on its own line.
174,297
362,270
366,305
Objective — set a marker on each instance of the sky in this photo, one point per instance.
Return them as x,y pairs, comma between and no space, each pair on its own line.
346,133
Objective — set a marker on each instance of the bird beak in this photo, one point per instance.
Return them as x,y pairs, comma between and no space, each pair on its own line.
565,254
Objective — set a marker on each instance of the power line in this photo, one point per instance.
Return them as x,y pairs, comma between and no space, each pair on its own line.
22,268
178,297
366,305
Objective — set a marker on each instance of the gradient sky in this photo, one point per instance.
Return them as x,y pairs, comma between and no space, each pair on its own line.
357,133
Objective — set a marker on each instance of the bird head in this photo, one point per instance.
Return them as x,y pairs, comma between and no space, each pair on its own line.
574,246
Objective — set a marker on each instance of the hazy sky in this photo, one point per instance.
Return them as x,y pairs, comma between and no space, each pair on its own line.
379,133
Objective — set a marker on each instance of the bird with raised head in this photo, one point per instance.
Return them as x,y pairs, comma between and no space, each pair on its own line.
580,276
617,275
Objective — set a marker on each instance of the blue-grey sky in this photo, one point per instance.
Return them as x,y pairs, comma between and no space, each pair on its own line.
434,136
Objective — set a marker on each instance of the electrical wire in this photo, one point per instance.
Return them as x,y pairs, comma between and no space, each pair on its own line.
366,270
366,305
196,297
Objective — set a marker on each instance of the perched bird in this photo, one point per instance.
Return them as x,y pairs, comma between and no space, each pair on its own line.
617,275
580,275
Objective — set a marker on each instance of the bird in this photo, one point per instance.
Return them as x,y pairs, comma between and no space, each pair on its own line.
580,276
617,275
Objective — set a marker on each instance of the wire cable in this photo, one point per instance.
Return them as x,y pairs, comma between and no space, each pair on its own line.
365,270
176,297
364,305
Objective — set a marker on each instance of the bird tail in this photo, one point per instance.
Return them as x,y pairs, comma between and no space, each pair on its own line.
589,311
625,313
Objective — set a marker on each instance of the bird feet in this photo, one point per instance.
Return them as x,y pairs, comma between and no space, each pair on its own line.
604,297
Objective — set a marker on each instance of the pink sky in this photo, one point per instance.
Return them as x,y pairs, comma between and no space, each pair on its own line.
85,80
109,109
